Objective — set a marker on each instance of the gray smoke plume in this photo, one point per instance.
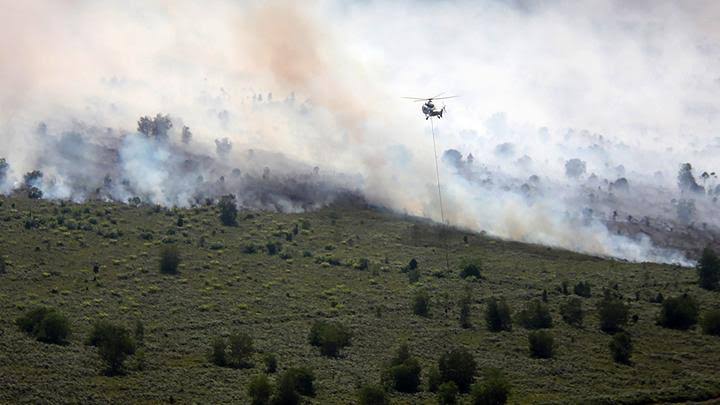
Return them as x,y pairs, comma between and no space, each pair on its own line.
578,116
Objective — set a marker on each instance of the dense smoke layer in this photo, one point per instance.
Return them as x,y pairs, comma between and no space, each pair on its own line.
574,122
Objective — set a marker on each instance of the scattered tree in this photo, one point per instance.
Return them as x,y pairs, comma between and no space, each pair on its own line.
458,366
434,379
447,393
371,394
45,324
228,210
613,313
497,315
331,337
686,180
217,352
402,372
679,312
157,127
621,347
240,347
541,344
471,269
114,344
535,315
169,259
270,363
572,312
582,289
421,303
708,269
303,380
493,390
574,168
259,390
711,322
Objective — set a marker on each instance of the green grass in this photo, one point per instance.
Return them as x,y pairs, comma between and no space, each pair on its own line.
220,290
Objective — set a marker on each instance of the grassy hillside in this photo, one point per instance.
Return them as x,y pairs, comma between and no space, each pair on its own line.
50,249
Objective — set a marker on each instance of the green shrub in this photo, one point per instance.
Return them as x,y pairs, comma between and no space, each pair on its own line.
114,344
285,393
421,303
493,390
621,347
45,324
465,306
402,372
582,289
217,352
240,349
711,322
447,393
535,315
169,259
572,312
708,269
497,315
458,366
331,337
471,269
413,275
228,210
613,314
259,390
303,380
679,312
249,249
541,344
371,394
273,247
270,363
434,379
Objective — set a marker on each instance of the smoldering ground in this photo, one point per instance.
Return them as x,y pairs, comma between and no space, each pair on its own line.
627,90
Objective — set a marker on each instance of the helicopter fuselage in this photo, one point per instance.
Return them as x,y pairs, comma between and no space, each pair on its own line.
429,110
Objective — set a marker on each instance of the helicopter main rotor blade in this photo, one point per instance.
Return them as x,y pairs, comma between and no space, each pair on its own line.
433,98
443,98
415,98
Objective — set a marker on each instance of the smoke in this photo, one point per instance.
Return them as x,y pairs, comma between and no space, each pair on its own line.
577,115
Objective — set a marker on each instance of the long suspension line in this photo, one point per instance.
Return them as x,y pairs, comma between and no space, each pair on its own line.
442,210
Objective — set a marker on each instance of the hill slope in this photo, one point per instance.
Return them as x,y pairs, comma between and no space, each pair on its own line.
50,249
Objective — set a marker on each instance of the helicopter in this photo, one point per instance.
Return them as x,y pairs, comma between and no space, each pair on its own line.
429,108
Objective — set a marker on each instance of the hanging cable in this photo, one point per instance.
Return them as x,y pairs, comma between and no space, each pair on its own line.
442,210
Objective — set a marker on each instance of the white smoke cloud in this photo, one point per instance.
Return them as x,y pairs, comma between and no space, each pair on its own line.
630,89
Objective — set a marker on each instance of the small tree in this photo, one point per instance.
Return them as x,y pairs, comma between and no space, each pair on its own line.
708,270
582,289
114,344
259,390
621,347
402,372
371,394
572,312
45,324
541,344
458,366
228,210
285,393
471,269
270,363
434,379
493,390
679,312
240,347
711,322
447,393
497,315
331,337
217,352
303,380
169,259
613,314
421,303
535,315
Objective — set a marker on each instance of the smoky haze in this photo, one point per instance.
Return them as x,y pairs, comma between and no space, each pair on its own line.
578,116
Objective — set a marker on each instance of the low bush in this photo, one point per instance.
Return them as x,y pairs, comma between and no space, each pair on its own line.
114,343
582,289
303,380
471,269
572,312
169,259
541,344
402,372
621,347
535,315
421,303
217,352
679,312
331,337
447,393
371,394
259,390
493,390
240,350
270,363
711,322
613,314
497,315
458,366
45,324
434,379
